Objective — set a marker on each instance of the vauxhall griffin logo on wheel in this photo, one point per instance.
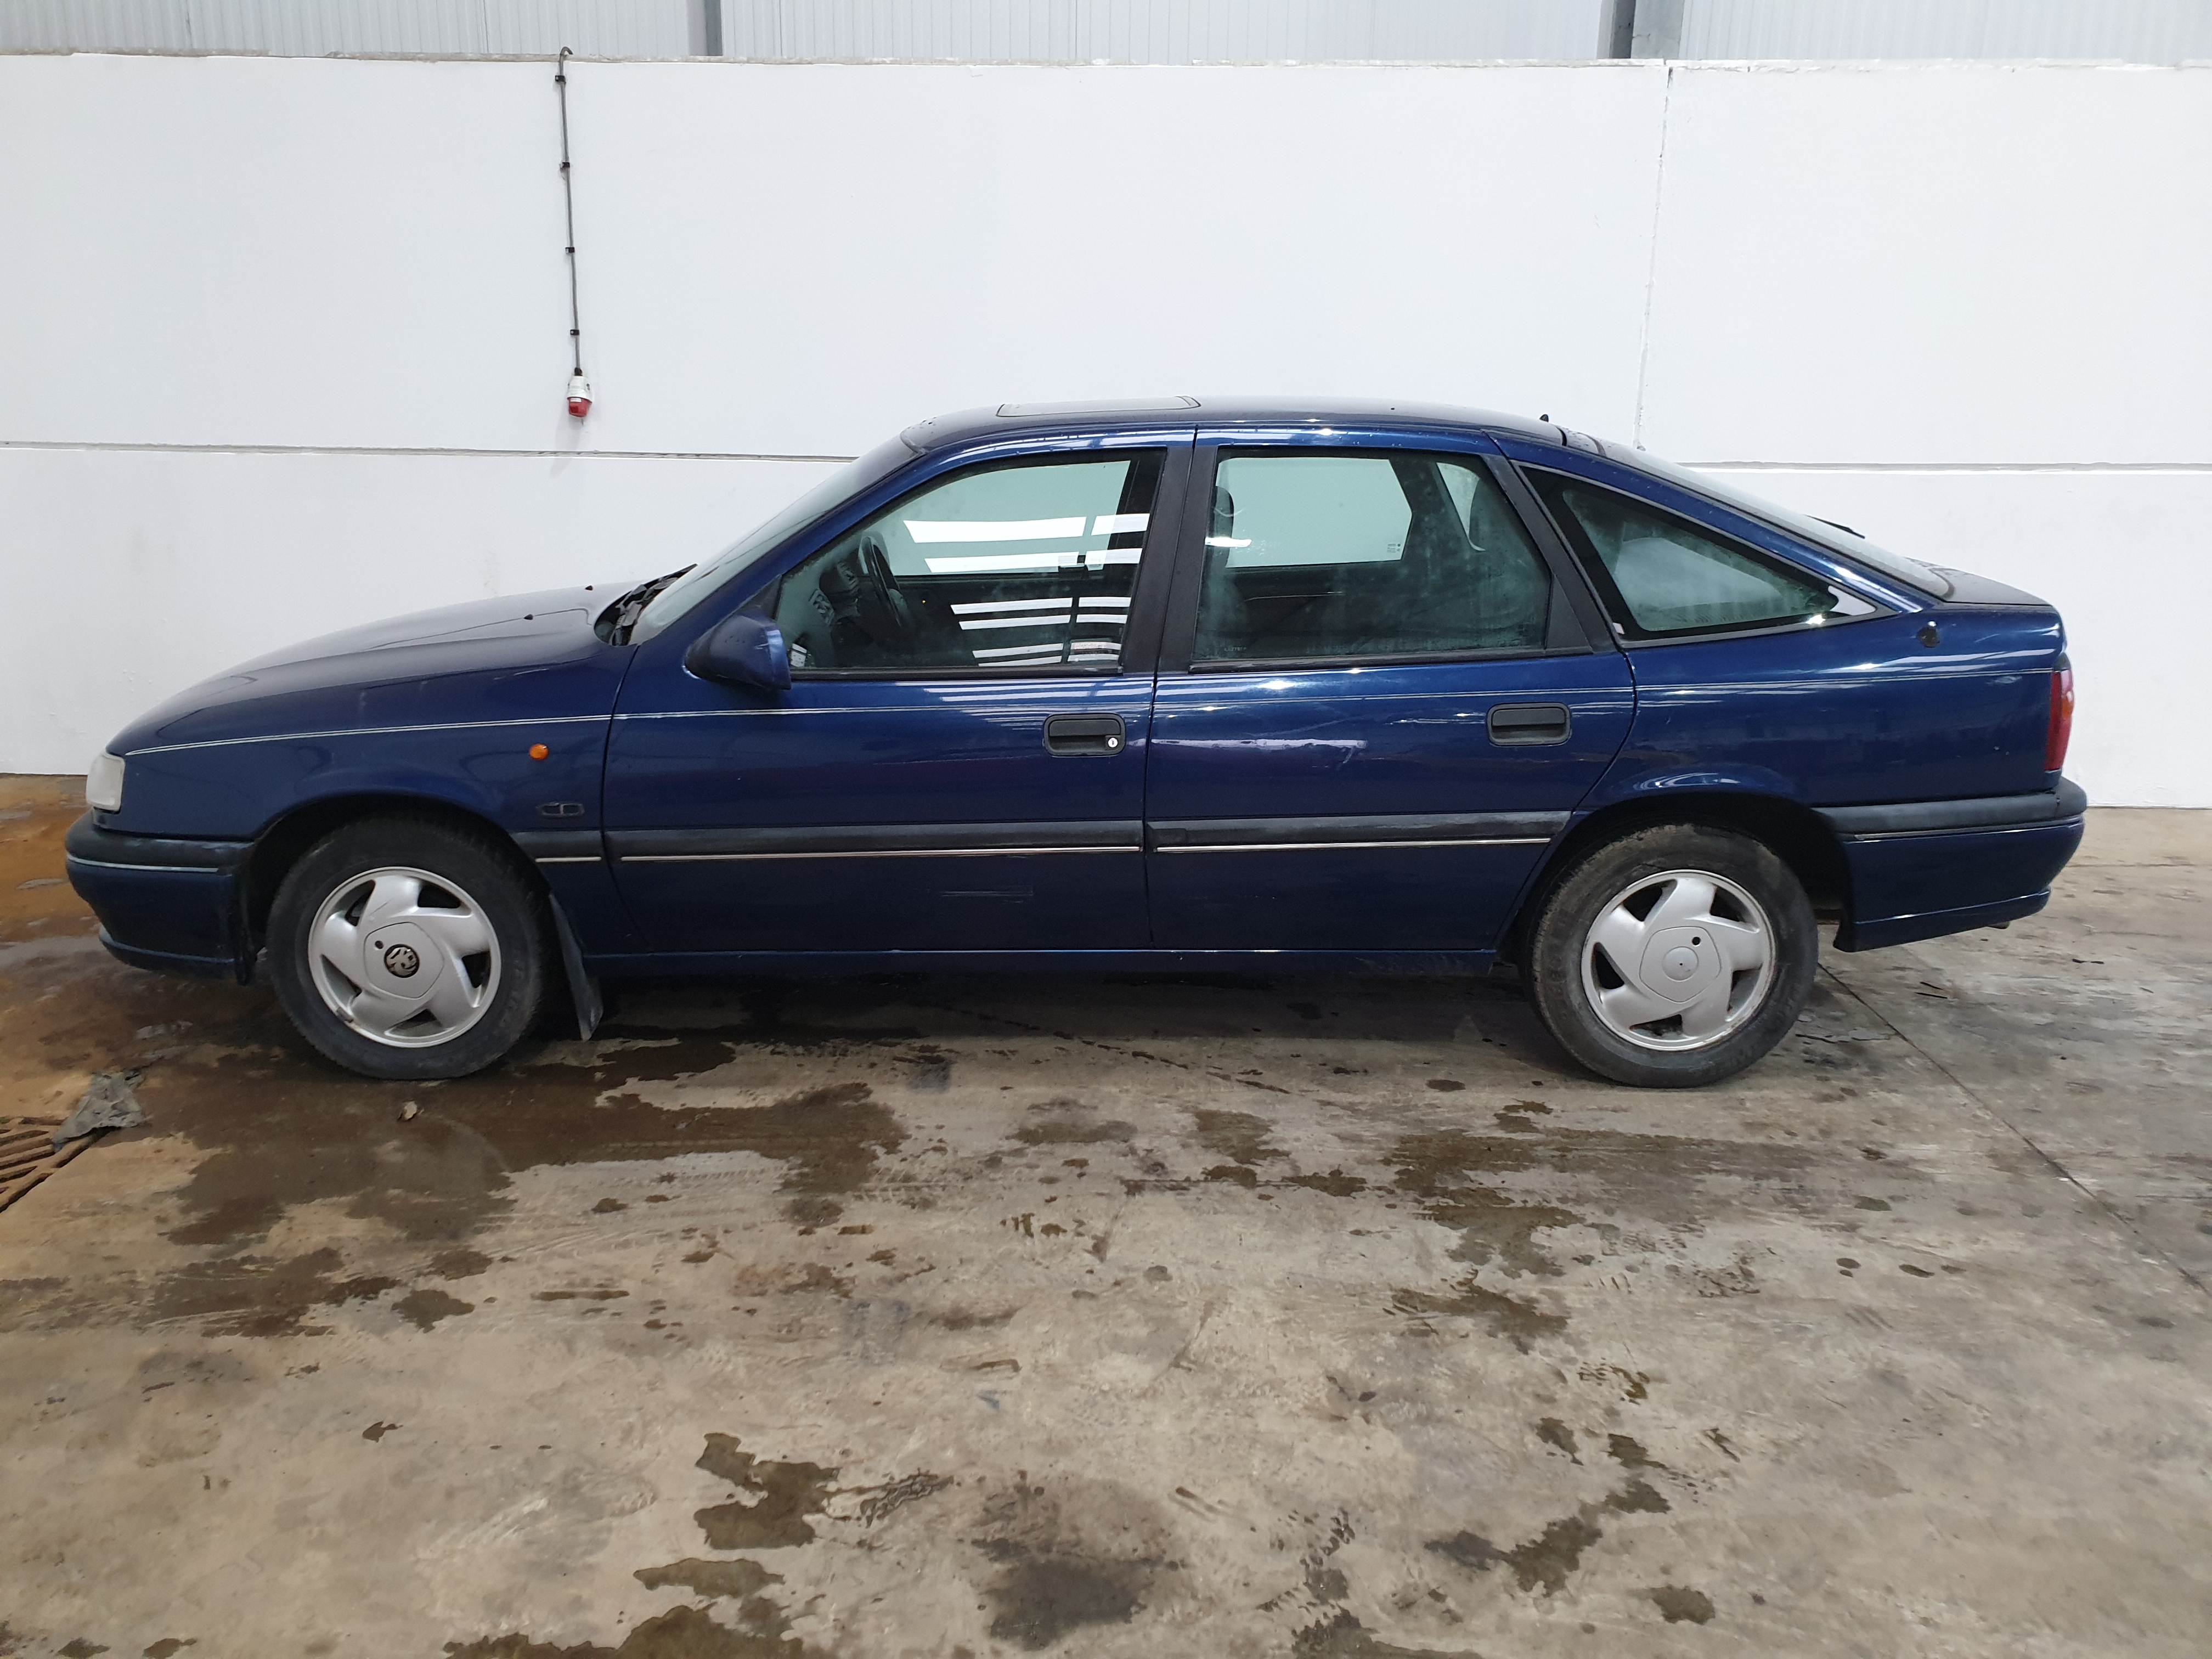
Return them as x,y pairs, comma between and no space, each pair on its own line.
1166,686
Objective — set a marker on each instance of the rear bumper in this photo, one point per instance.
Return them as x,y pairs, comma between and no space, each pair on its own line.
162,902
1923,869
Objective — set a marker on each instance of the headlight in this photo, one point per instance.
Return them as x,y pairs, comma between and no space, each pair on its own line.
103,785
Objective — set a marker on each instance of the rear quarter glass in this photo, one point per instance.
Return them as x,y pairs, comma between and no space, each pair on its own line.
1816,561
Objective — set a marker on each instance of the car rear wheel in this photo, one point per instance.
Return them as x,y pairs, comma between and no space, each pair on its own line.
408,950
1674,956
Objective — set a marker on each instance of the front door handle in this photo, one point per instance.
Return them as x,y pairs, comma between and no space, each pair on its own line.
1530,723
1085,734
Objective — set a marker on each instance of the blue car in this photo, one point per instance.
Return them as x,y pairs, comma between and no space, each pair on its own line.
1170,686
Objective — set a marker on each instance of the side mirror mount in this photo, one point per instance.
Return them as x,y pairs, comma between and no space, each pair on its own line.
741,650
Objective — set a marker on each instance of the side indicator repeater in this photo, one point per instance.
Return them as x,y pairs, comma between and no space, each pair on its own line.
538,751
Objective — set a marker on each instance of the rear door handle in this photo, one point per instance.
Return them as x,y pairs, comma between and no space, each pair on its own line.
1085,734
1530,723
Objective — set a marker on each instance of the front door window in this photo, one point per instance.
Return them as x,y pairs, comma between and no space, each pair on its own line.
1026,565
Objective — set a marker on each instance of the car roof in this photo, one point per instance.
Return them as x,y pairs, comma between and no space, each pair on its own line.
1149,414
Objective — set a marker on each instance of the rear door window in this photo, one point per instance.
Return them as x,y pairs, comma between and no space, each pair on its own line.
1321,556
1663,576
1027,564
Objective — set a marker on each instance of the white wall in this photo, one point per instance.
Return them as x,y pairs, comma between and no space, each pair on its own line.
1960,307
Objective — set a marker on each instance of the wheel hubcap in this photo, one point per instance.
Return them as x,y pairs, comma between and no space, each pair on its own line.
1678,960
405,957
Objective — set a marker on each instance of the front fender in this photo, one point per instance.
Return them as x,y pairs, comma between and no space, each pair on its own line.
237,790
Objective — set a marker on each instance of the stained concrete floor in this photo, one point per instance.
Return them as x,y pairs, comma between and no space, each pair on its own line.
962,1317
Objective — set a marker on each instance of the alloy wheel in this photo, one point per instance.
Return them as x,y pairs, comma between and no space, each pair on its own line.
405,957
1678,960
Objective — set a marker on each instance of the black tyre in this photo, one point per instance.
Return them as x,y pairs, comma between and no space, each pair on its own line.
406,949
1674,956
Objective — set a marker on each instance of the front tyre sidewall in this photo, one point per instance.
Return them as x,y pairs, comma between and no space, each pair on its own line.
1555,956
476,864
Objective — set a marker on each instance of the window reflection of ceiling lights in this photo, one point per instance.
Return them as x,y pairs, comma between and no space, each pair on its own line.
940,565
1021,530
990,530
992,607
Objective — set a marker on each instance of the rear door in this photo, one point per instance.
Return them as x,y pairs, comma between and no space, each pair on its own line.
958,764
1380,699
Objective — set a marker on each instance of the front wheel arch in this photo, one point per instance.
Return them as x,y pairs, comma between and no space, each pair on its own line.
285,841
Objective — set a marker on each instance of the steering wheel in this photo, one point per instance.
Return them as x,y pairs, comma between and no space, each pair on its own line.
876,571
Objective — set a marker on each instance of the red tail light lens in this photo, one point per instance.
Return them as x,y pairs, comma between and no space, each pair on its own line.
2062,717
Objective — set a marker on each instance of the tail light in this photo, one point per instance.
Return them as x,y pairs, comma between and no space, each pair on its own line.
2060,730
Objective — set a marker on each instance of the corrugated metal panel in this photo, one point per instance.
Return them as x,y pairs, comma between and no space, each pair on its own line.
2136,30
1128,30
121,25
445,27
1163,31
595,28
310,29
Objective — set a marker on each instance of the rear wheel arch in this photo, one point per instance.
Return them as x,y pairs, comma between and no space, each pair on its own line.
1796,834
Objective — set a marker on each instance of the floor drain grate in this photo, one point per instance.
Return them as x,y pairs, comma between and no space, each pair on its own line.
27,1154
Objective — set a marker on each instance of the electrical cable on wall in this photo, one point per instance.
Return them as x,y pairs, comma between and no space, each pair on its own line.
579,389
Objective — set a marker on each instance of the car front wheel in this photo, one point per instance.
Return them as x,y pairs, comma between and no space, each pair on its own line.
408,950
1674,956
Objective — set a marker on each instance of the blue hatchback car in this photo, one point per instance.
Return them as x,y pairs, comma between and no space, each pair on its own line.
1173,685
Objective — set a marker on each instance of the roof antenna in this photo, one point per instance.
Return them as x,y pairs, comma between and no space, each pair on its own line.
1543,418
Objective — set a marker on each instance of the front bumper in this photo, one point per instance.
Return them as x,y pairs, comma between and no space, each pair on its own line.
1923,869
163,902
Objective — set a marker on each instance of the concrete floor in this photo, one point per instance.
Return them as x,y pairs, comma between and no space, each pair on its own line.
954,1317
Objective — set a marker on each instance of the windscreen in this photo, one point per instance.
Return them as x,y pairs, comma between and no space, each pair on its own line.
704,578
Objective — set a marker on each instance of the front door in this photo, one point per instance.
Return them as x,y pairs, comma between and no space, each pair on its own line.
1380,703
958,764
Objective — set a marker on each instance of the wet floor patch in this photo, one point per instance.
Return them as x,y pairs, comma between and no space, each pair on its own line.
775,1503
711,1579
274,1142
1519,1320
1239,1137
425,1307
1342,1636
1456,1177
1071,1555
682,1632
260,1296
1678,1604
1546,1561
1064,1122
